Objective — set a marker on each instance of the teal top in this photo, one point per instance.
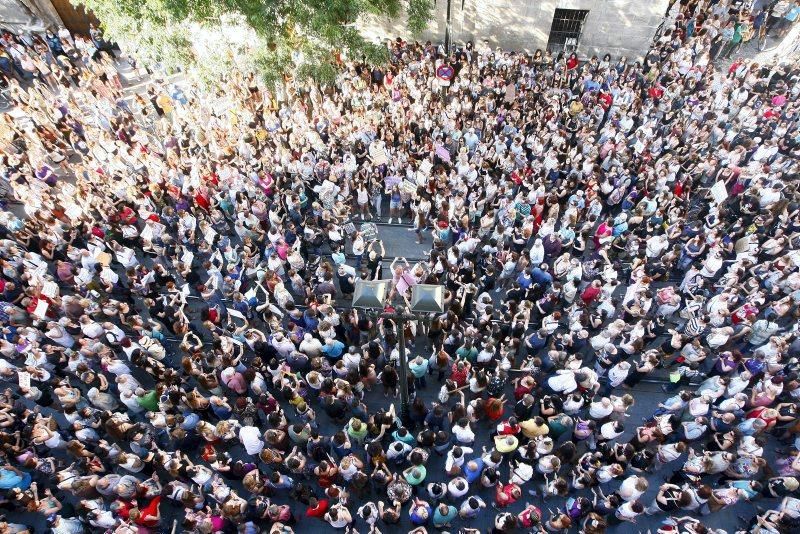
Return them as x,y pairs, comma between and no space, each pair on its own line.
415,481
440,520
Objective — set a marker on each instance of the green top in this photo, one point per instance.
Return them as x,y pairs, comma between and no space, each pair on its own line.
148,401
557,426
737,33
361,433
415,481
468,354
440,520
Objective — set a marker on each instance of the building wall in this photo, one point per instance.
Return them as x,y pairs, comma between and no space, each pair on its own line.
75,18
619,27
28,15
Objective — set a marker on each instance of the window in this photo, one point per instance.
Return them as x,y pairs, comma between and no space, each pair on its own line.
566,30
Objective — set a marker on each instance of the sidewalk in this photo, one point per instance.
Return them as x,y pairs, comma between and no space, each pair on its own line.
784,49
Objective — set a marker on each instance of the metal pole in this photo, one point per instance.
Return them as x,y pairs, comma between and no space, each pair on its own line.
447,31
404,411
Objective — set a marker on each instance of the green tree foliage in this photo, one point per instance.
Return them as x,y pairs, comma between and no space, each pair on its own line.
272,37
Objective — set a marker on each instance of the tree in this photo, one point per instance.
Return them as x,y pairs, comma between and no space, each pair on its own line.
271,37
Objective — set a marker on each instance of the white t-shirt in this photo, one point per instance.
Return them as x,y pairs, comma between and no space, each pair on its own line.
250,437
608,431
463,434
598,411
452,488
564,382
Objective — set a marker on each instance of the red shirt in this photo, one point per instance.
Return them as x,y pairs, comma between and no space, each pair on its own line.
127,215
520,391
525,516
201,201
319,510
655,92
148,516
590,294
504,429
503,495
208,452
458,376
123,508
494,409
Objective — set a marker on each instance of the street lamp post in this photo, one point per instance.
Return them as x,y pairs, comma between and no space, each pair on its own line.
447,31
400,317
425,298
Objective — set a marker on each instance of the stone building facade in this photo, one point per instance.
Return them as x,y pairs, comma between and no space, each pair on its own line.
619,27
28,15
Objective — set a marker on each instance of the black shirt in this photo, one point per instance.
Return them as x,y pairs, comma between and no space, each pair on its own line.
335,409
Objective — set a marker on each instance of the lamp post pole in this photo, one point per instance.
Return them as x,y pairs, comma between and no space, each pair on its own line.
425,298
400,317
447,31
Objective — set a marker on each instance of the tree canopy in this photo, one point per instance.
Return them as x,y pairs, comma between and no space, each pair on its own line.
270,37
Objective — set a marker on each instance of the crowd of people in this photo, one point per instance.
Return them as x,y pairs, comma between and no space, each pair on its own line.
175,268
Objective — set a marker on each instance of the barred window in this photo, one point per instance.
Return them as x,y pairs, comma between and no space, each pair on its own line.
565,31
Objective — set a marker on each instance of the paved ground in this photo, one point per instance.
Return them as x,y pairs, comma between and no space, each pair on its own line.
781,47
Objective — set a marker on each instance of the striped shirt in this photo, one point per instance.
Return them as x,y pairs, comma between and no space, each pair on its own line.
694,327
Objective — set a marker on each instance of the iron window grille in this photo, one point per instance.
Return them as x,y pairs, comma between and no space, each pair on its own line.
566,29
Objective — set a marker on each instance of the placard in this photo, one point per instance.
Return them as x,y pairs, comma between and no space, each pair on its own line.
188,257
50,289
41,308
251,294
158,228
74,212
408,187
405,283
719,192
126,256
24,379
147,233
391,181
425,167
236,313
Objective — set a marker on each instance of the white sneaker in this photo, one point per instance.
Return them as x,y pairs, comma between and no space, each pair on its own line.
390,220
399,220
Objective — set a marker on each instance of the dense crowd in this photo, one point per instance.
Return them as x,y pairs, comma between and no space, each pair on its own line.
175,269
